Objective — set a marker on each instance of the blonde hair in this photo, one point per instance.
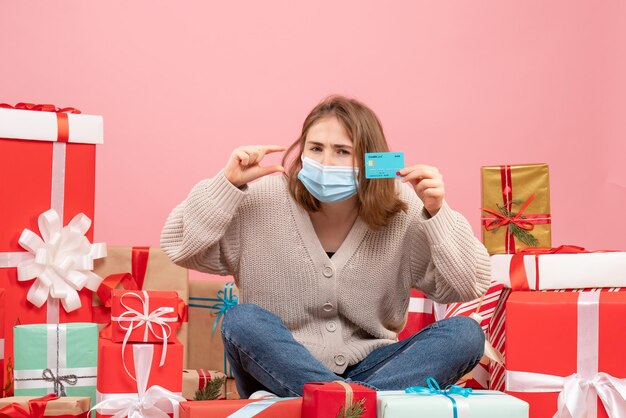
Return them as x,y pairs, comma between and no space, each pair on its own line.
377,200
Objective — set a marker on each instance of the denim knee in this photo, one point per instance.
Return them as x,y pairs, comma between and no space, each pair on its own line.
242,320
471,333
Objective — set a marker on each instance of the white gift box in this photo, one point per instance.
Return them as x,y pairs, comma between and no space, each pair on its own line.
43,126
565,271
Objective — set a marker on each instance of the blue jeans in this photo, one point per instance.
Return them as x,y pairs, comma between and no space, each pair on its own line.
264,355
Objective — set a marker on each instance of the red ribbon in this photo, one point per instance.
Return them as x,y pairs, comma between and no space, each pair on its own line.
517,270
63,125
102,314
139,264
204,377
526,222
36,409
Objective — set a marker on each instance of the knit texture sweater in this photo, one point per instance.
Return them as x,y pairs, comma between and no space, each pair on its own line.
340,308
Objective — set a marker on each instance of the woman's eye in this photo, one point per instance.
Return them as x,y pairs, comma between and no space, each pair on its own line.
316,149
344,152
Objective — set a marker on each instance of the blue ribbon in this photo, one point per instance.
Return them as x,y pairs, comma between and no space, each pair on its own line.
434,389
224,301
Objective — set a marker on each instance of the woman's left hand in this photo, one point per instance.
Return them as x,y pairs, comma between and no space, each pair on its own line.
427,183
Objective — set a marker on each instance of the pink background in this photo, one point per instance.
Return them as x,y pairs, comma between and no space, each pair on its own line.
457,84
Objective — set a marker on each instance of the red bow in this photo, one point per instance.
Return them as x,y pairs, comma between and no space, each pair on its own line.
36,408
517,270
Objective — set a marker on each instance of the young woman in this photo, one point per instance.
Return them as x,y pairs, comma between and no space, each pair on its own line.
325,260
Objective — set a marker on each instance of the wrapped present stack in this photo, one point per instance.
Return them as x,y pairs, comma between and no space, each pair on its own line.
557,318
47,166
140,366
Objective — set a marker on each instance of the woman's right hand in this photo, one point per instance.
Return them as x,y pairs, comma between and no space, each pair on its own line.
243,164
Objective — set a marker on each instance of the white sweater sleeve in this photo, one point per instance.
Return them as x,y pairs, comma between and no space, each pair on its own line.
454,266
202,233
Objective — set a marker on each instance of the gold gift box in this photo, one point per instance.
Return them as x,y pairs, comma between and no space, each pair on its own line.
518,182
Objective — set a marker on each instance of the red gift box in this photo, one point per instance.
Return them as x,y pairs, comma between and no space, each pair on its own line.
265,408
144,316
560,344
497,333
321,400
421,314
118,368
2,383
43,165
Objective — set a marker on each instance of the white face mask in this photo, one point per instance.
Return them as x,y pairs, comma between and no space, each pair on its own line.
328,183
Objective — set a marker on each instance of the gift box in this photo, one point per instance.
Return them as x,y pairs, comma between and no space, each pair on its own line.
209,300
497,331
194,380
47,406
516,207
132,376
59,359
242,408
565,267
329,399
481,310
478,403
563,349
2,383
151,269
145,315
422,312
50,153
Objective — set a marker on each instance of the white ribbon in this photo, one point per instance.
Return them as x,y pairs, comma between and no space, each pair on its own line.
138,319
155,402
579,391
1,348
252,409
60,261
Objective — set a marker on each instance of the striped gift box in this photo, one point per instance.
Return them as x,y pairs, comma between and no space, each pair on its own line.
485,308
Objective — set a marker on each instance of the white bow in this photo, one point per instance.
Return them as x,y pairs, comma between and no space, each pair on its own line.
61,262
155,402
574,400
138,319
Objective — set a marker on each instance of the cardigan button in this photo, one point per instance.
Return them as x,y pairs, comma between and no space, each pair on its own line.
328,271
331,326
327,307
340,360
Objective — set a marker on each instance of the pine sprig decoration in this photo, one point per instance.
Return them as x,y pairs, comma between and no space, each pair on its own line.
356,410
211,391
521,234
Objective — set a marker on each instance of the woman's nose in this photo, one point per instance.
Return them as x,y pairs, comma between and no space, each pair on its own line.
327,158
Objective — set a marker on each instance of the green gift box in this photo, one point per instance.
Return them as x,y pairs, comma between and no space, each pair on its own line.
478,404
56,358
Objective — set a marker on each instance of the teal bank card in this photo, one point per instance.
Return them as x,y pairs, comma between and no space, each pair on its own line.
383,165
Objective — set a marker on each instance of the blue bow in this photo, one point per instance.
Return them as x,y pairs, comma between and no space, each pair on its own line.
434,389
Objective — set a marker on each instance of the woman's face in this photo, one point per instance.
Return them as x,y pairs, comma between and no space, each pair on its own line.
328,143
